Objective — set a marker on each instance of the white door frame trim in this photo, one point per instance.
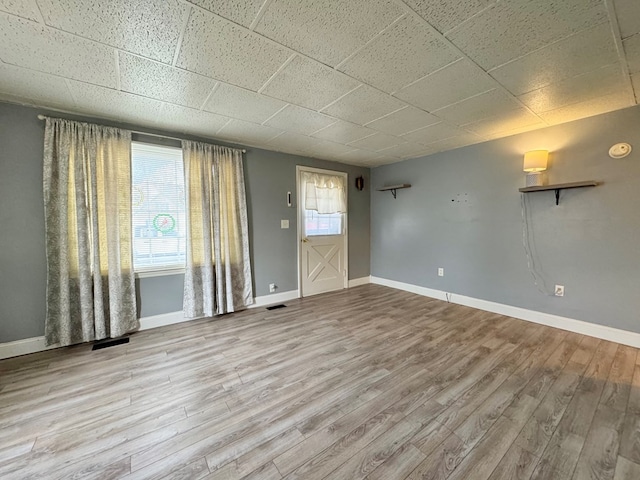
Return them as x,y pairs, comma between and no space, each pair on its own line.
302,168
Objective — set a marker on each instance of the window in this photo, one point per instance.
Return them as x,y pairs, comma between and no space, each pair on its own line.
158,207
322,223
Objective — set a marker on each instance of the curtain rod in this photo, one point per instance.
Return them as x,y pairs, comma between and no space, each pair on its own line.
42,117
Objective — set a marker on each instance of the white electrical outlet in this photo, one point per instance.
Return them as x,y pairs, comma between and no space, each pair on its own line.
559,291
272,287
441,272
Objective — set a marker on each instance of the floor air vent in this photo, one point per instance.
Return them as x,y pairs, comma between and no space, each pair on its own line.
110,342
275,307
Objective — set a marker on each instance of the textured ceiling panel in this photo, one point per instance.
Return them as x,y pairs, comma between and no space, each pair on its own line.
485,105
224,51
162,82
404,53
116,23
31,45
309,84
343,132
403,121
510,121
579,53
22,8
337,78
175,117
632,49
433,133
598,83
242,104
250,133
364,105
595,106
343,26
300,120
238,11
512,28
104,102
444,14
448,85
628,13
377,142
35,87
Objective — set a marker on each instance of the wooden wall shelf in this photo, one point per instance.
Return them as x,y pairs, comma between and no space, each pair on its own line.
560,186
394,188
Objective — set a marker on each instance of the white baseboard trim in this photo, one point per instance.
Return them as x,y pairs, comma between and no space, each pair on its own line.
23,347
578,326
356,282
164,319
274,298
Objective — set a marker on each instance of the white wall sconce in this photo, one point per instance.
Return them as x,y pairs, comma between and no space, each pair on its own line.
535,162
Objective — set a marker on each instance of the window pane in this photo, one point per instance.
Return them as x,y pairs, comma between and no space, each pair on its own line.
159,228
316,224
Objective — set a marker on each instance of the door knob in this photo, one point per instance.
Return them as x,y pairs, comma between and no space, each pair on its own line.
305,240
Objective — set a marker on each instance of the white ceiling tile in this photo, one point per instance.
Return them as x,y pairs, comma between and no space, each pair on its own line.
162,82
404,53
579,53
238,11
105,102
28,44
300,120
592,107
22,8
408,150
445,14
364,105
366,157
189,120
456,142
512,120
485,105
327,30
376,142
512,28
343,132
635,79
324,148
515,131
628,13
39,88
242,104
632,50
249,133
403,121
597,83
293,143
220,49
150,28
448,85
309,84
433,133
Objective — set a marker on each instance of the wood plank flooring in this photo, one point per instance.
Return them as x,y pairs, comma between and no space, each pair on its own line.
366,383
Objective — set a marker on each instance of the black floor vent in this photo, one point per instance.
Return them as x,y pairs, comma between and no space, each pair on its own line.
110,342
275,307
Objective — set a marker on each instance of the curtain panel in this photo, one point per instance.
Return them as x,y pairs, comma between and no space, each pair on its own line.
87,203
323,193
218,269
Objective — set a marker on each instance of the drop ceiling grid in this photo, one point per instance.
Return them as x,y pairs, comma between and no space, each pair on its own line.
118,51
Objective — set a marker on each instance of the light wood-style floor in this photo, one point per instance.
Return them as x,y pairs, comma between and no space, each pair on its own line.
369,382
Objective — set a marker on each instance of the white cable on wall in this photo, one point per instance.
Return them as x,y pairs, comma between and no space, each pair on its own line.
527,248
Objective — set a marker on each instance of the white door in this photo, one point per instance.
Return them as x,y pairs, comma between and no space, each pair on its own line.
322,242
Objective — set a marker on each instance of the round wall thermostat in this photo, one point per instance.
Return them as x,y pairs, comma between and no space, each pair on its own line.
620,150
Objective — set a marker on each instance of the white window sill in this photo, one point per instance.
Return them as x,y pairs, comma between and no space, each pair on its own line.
159,273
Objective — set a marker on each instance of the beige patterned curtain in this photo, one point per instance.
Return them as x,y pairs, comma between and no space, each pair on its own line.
218,270
87,202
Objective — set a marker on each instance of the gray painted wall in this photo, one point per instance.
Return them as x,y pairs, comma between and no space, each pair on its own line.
463,213
268,175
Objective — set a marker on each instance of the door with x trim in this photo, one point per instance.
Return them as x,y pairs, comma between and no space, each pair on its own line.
322,246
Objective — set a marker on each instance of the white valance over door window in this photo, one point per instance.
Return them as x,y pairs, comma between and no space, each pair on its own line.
323,193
